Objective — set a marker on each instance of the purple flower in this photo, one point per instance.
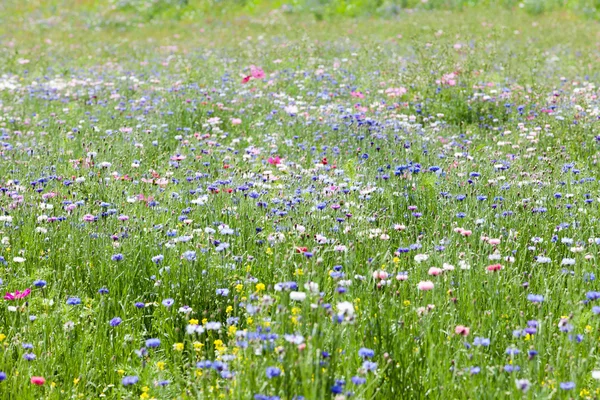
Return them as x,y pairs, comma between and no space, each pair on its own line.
567,385
117,257
152,343
168,302
130,380
115,321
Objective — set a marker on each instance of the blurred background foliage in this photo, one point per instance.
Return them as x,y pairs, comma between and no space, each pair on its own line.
141,11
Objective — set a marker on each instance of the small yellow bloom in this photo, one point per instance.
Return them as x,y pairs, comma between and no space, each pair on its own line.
2,336
588,329
178,346
198,346
76,381
160,365
229,309
204,321
260,287
231,330
145,389
396,260
249,320
269,251
120,372
193,321
144,396
406,303
239,287
299,272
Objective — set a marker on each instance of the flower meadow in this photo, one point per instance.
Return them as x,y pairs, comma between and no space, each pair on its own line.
273,208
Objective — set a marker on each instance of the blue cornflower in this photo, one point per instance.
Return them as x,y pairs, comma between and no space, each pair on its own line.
153,342
366,353
369,366
168,302
479,341
358,380
39,283
189,255
158,258
103,290
535,298
73,301
273,372
115,321
117,257
2,376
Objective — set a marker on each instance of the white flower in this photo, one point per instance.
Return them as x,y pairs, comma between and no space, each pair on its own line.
596,374
421,257
297,296
19,260
345,308
312,287
105,164
568,261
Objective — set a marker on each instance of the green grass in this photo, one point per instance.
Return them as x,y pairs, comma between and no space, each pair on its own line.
135,84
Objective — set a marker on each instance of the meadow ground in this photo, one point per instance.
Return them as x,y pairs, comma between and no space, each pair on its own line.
277,206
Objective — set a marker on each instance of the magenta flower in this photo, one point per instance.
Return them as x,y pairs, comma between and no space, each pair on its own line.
17,295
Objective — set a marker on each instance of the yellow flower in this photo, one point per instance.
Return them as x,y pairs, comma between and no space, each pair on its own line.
193,321
144,395
588,329
2,336
120,372
160,365
260,286
229,309
269,251
231,330
145,389
198,372
296,310
406,303
204,321
239,287
178,346
299,272
198,346
76,381
396,260
249,320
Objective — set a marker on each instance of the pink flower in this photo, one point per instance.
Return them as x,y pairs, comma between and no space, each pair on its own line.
380,275
256,72
462,330
494,242
433,271
236,121
494,267
38,380
401,277
274,160
395,92
466,233
88,218
357,94
17,295
425,285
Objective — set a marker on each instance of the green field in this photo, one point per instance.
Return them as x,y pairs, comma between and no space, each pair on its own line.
327,199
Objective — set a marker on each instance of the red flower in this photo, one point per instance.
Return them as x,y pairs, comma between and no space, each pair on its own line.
38,380
301,249
324,161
